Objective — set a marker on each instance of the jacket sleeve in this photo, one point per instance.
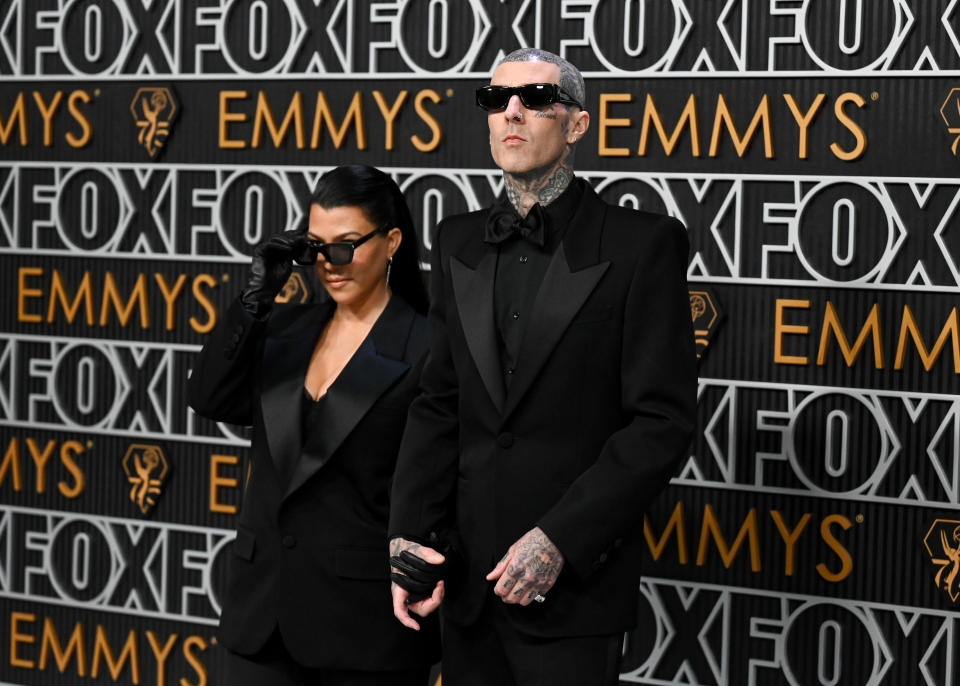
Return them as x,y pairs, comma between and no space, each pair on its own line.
221,384
658,386
425,478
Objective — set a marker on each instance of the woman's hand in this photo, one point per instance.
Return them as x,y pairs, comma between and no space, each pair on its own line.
269,270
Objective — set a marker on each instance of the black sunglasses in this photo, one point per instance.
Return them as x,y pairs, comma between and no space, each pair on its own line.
531,95
337,254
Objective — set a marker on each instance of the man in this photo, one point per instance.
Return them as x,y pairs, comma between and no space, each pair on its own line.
559,394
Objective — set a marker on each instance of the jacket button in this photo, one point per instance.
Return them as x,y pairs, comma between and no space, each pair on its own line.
505,440
238,329
235,338
618,542
603,558
288,541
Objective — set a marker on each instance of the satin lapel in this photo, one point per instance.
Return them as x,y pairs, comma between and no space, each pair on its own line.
366,377
473,291
286,356
562,293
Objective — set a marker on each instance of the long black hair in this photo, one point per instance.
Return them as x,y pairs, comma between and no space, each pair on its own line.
382,203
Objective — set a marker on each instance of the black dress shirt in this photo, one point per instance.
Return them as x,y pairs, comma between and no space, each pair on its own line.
521,266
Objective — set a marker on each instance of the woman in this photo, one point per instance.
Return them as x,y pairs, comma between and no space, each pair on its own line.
326,389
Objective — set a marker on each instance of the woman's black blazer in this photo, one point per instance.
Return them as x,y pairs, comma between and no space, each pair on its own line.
311,553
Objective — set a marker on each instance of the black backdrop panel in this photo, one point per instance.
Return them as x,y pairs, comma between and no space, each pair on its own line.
810,146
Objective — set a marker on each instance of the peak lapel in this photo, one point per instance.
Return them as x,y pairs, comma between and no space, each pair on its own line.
375,367
286,356
564,290
473,291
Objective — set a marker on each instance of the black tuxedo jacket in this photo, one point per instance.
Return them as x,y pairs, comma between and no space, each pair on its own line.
599,410
311,553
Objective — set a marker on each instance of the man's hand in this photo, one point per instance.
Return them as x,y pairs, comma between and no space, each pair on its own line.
530,568
401,609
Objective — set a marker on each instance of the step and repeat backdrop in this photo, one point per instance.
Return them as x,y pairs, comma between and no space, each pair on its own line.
811,147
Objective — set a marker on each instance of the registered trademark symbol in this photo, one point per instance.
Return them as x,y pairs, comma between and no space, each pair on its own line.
89,445
874,95
859,519
449,92
97,92
225,278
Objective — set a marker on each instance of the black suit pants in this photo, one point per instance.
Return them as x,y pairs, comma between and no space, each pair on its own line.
492,652
272,665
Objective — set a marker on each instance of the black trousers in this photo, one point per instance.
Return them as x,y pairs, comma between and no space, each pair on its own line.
491,652
273,666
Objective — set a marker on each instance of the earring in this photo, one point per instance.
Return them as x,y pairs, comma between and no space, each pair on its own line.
389,266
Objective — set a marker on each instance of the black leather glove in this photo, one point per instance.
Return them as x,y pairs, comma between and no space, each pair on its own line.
419,577
269,271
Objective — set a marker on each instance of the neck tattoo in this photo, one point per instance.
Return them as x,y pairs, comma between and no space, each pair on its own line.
538,186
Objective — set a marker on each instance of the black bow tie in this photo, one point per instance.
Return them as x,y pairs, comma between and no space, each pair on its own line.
503,222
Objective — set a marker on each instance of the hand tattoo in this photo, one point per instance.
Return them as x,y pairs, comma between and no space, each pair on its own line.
399,544
534,567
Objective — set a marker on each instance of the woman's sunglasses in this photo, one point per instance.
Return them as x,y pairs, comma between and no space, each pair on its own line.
531,95
337,254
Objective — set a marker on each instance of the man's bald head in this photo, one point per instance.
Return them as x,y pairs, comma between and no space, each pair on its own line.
571,80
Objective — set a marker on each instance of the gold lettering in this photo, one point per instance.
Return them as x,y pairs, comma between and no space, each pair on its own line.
389,114
58,294
846,560
851,125
951,330
227,117
608,122
170,296
724,119
199,668
16,638
75,646
871,327
11,464
676,523
804,119
23,293
101,649
217,482
429,120
264,115
47,112
201,296
68,451
781,329
338,134
687,118
17,116
87,130
711,530
125,312
41,459
790,538
162,654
